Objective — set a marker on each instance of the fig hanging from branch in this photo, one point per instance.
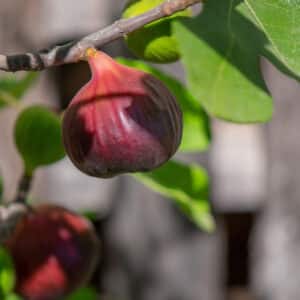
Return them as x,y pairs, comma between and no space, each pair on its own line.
123,120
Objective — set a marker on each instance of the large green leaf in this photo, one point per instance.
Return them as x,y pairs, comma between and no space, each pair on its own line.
38,137
220,50
268,50
7,273
187,185
13,89
196,130
280,20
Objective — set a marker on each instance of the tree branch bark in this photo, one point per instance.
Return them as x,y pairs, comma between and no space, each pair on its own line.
74,51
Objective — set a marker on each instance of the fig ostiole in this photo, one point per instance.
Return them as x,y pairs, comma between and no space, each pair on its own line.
123,120
54,251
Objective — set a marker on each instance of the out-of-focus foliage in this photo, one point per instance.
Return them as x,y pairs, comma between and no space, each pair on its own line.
187,186
13,89
280,20
7,274
38,137
91,215
85,293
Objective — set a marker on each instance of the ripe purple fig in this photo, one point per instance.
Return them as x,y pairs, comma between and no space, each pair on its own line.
123,120
54,252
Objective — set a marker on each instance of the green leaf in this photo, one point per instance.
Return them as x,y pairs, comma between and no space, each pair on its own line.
137,7
38,137
13,89
280,20
91,215
85,293
13,297
153,42
7,273
196,129
220,50
187,185
267,48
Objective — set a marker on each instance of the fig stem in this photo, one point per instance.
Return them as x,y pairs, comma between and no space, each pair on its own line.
9,218
76,50
23,188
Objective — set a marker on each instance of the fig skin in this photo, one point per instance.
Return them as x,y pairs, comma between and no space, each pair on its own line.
123,120
54,250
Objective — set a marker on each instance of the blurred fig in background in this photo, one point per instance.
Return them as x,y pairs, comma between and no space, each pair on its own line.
54,250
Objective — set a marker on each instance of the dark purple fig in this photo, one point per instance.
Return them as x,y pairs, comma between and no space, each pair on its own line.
54,252
123,120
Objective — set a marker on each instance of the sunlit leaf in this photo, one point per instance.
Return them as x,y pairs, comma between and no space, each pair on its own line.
13,89
221,50
187,186
85,293
13,297
280,20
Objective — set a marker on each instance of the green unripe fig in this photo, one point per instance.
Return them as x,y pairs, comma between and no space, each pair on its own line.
38,137
153,42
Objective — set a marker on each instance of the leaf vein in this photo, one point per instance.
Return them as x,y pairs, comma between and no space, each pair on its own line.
267,33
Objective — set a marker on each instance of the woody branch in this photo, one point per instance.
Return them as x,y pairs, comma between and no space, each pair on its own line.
75,50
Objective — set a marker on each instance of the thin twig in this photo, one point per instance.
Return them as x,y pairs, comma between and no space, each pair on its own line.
23,188
12,213
74,51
